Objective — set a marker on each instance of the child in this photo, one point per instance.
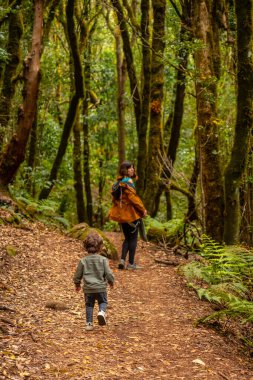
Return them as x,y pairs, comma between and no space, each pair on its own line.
95,272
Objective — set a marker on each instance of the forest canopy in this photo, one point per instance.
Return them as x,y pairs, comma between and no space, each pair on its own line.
85,85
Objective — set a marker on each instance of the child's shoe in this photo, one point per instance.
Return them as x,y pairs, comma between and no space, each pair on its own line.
101,318
89,326
121,264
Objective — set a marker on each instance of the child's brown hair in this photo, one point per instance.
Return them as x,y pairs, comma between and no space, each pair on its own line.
93,242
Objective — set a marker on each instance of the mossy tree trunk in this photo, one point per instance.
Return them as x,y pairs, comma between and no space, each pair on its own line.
145,95
86,148
74,103
33,143
246,200
15,32
14,154
179,98
192,213
121,77
174,121
153,173
244,119
129,60
77,166
140,101
207,132
77,130
31,157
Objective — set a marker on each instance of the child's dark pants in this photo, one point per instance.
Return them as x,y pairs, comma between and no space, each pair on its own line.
90,299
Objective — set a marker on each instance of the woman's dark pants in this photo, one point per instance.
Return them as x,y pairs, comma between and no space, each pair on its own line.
130,243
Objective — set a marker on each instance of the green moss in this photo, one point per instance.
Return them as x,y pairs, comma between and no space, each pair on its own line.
168,232
82,230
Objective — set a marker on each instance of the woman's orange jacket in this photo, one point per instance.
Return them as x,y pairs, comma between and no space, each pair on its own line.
129,208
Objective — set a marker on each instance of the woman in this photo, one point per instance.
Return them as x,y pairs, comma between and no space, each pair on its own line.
127,209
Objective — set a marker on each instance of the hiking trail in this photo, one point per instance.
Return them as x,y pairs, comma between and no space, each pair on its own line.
150,332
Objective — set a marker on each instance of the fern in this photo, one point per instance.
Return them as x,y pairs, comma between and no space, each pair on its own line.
46,211
224,277
235,308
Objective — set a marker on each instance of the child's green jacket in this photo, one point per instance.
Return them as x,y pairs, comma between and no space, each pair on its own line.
95,272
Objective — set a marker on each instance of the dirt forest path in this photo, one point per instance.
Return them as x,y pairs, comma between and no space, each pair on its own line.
150,332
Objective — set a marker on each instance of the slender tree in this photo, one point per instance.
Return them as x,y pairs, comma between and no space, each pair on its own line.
31,156
121,81
192,209
15,32
86,147
121,77
174,121
77,166
145,95
246,200
156,105
244,120
129,60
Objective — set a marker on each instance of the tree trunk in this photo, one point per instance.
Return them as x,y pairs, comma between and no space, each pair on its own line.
129,61
246,201
8,87
48,22
179,99
77,159
177,115
156,107
192,210
207,132
145,96
121,76
101,184
31,156
243,127
168,205
74,103
86,148
14,153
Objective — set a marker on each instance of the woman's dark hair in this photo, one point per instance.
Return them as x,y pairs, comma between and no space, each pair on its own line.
93,242
124,167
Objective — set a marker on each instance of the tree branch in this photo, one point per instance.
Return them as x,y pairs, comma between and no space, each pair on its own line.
176,9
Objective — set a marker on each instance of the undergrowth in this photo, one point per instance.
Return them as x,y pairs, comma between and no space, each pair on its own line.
45,211
224,277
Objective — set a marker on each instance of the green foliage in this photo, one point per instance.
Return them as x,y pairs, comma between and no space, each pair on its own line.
224,276
44,211
4,56
111,226
168,232
56,89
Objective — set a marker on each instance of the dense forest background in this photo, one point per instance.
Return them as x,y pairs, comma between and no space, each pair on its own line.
165,84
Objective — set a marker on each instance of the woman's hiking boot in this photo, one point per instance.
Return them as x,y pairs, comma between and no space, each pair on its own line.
133,266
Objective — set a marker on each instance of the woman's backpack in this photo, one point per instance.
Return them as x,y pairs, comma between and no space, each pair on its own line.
116,190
